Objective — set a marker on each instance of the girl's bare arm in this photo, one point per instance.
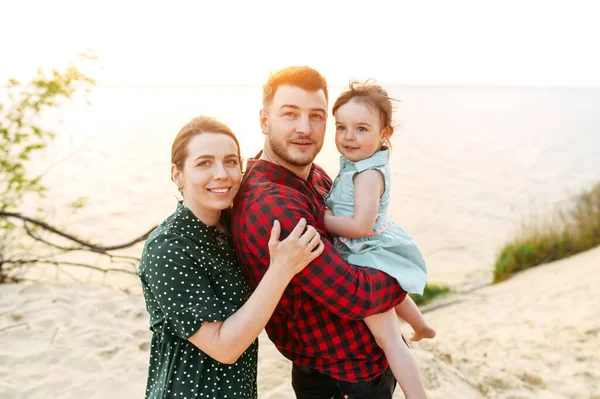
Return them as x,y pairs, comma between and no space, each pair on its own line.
368,188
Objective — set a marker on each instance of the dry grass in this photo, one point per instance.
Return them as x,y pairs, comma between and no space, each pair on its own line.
560,234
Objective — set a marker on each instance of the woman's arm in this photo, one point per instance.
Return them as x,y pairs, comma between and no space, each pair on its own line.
368,188
225,341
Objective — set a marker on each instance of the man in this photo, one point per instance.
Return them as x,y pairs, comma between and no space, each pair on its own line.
318,322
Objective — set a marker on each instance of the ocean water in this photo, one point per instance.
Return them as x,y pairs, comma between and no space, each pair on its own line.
468,162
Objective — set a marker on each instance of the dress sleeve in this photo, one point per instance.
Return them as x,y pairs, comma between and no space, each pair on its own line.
348,291
180,287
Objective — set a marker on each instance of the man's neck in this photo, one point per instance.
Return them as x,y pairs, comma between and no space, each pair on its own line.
300,171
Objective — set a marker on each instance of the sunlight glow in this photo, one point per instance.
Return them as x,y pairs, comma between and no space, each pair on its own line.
239,42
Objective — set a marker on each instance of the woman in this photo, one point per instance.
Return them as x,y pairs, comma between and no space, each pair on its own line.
204,320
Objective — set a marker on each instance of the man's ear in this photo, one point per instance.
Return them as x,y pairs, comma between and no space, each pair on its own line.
264,121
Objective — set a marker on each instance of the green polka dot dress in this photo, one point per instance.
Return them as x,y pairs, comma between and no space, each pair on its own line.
189,275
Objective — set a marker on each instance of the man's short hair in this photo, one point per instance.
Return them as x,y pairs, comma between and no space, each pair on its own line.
304,77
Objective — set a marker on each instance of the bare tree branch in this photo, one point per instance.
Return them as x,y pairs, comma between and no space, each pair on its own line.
40,239
79,248
93,247
60,263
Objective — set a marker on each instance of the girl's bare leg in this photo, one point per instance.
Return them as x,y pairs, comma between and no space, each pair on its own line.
410,313
386,330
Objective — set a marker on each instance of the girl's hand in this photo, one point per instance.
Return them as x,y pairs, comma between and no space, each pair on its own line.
295,252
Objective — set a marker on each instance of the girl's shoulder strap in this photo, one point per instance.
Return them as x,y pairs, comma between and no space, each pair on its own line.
375,161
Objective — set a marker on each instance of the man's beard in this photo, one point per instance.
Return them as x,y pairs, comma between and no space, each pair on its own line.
280,150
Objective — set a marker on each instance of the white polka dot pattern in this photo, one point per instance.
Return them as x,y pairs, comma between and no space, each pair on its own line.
189,275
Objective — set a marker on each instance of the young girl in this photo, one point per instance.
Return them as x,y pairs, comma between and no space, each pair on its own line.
358,205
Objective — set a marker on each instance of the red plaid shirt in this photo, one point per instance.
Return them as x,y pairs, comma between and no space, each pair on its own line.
318,322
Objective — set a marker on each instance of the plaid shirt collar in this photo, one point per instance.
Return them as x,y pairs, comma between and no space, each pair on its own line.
278,174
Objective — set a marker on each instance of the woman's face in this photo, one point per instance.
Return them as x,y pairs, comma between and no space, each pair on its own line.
211,172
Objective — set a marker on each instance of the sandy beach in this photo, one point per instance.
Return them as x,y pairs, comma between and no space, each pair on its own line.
496,136
534,336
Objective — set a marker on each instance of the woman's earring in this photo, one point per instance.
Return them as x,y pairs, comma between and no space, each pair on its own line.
180,188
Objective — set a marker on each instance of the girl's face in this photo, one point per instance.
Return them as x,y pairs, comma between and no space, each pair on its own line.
211,173
358,131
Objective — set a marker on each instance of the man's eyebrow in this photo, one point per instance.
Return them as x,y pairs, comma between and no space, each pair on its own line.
298,108
289,106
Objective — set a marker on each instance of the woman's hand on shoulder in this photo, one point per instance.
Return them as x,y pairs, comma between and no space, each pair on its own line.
294,253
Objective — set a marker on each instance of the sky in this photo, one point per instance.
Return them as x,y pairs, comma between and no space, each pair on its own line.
458,42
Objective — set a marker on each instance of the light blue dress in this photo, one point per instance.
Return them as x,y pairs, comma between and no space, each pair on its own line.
389,247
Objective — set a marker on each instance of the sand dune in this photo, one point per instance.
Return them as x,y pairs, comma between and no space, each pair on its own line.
534,336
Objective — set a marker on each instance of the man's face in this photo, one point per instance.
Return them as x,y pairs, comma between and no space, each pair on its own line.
294,125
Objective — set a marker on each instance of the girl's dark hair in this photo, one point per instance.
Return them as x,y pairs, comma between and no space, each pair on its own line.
373,96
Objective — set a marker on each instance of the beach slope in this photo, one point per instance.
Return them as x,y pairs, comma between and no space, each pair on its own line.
536,335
